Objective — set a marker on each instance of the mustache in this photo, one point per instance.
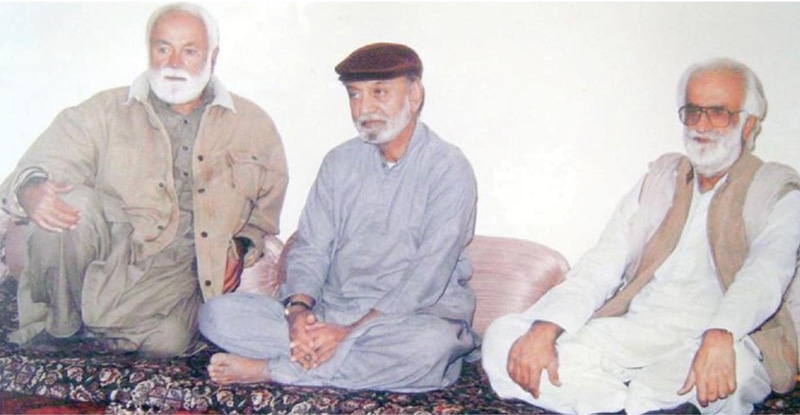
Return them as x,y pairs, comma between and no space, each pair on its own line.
174,73
370,117
693,135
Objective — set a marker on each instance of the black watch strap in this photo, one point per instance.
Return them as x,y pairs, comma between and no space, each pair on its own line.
289,304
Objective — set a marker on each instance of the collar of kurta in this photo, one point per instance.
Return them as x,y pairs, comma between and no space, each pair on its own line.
140,89
417,138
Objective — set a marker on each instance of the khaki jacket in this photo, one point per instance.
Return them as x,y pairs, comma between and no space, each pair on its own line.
115,143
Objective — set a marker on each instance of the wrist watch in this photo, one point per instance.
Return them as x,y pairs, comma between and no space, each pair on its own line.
293,303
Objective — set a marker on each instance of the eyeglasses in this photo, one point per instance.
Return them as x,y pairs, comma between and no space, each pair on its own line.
718,117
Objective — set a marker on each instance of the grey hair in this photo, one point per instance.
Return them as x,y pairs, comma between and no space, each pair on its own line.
755,103
212,30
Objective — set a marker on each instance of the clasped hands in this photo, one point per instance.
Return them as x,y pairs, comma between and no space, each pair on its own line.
313,342
712,374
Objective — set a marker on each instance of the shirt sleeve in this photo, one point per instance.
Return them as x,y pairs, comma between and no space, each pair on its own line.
308,260
757,290
595,277
265,217
65,152
15,183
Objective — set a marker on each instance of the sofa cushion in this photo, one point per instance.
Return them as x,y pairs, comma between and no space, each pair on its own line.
264,277
509,275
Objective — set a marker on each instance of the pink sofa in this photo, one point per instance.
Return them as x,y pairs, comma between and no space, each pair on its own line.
508,274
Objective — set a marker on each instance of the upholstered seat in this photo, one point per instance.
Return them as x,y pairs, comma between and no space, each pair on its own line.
509,275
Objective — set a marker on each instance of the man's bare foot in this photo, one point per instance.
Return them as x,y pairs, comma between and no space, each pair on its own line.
226,368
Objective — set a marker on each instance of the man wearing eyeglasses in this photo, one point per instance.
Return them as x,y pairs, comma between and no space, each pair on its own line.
681,300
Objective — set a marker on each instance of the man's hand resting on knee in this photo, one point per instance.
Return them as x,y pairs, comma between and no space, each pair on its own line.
532,353
713,371
41,201
328,336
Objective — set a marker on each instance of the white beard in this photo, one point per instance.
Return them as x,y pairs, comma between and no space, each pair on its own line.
178,92
389,131
710,159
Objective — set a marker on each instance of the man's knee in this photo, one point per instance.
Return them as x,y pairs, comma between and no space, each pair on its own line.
84,199
172,337
215,315
435,344
90,205
497,341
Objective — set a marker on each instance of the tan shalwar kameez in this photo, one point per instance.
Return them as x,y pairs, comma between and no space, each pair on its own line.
102,275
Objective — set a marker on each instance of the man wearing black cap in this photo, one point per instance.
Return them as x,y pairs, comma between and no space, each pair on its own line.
376,295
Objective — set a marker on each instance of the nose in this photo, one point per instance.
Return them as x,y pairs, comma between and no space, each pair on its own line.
704,123
174,60
367,105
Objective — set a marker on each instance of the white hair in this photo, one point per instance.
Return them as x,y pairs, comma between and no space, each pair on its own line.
755,103
212,31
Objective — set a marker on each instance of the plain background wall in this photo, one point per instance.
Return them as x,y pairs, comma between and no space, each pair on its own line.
559,106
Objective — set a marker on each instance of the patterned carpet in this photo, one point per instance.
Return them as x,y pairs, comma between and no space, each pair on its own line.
79,379
128,383
12,403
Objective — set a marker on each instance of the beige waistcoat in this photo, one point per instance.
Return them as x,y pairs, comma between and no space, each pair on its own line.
737,215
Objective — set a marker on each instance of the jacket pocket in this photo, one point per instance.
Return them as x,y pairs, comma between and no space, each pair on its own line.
249,171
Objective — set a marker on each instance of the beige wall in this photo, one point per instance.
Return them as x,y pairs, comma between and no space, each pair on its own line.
559,106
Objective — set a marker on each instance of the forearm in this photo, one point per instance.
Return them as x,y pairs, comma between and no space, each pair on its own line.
546,330
309,256
300,299
365,318
15,184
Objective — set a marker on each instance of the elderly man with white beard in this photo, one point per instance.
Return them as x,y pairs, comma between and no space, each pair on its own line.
680,302
142,201
376,294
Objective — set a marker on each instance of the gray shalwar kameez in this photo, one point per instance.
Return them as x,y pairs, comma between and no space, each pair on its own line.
373,236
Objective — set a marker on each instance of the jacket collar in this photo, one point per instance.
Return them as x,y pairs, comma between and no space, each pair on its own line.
140,89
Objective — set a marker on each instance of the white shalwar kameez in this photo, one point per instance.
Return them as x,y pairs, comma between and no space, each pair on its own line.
638,362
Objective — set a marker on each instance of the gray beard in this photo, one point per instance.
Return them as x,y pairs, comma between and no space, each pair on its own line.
393,126
713,158
178,92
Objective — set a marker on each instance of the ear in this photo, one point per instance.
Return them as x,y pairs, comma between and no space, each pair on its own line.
749,128
416,95
214,58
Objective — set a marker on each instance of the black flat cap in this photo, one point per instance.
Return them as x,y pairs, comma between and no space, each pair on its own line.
380,61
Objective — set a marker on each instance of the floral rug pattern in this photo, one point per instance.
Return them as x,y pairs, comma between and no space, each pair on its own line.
131,384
